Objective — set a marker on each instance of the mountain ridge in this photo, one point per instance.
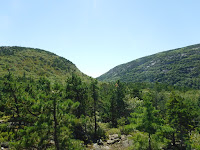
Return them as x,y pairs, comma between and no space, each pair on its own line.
177,67
35,62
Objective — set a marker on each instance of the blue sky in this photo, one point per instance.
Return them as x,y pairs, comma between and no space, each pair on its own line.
97,35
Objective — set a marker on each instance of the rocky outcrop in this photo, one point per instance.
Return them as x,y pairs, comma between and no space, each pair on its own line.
4,146
115,142
113,139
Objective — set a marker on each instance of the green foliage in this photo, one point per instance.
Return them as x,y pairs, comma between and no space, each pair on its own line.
39,116
48,115
76,90
194,140
36,63
140,141
112,131
175,67
128,129
95,95
118,107
181,117
46,103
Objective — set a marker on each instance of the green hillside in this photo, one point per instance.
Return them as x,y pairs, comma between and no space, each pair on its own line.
81,114
177,67
35,63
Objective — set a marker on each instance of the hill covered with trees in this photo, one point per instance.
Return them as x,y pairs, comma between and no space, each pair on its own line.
35,63
59,108
176,67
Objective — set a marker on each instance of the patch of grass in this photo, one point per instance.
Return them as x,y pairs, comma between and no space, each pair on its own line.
114,131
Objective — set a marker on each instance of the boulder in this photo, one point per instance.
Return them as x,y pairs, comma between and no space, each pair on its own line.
106,148
114,136
100,142
125,143
123,137
4,145
113,139
110,141
96,146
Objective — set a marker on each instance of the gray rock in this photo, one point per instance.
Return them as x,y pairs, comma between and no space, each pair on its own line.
113,141
2,121
123,137
110,141
96,146
114,136
117,140
4,145
100,142
125,143
105,148
130,142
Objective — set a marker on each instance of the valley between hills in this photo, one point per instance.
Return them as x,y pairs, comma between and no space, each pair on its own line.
46,102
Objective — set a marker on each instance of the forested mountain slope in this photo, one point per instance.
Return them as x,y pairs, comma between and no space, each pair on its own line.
35,63
39,112
177,67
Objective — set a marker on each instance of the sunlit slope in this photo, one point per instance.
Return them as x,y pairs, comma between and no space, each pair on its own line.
177,67
35,63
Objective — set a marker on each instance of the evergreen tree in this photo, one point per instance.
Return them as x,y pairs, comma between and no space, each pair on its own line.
117,108
77,91
95,96
181,117
150,121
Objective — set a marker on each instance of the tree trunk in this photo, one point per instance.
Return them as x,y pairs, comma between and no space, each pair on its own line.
173,140
149,141
95,126
55,125
95,119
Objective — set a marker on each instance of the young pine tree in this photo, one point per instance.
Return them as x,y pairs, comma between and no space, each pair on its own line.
181,117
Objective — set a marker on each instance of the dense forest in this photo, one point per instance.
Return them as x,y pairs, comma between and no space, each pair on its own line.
40,114
47,103
35,63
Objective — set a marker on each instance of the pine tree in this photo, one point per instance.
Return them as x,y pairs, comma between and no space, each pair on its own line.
150,120
77,91
117,108
95,96
181,117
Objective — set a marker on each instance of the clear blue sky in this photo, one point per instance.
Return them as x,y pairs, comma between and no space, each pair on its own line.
97,35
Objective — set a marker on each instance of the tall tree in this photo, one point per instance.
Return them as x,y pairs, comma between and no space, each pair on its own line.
95,96
117,108
150,121
76,90
181,116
